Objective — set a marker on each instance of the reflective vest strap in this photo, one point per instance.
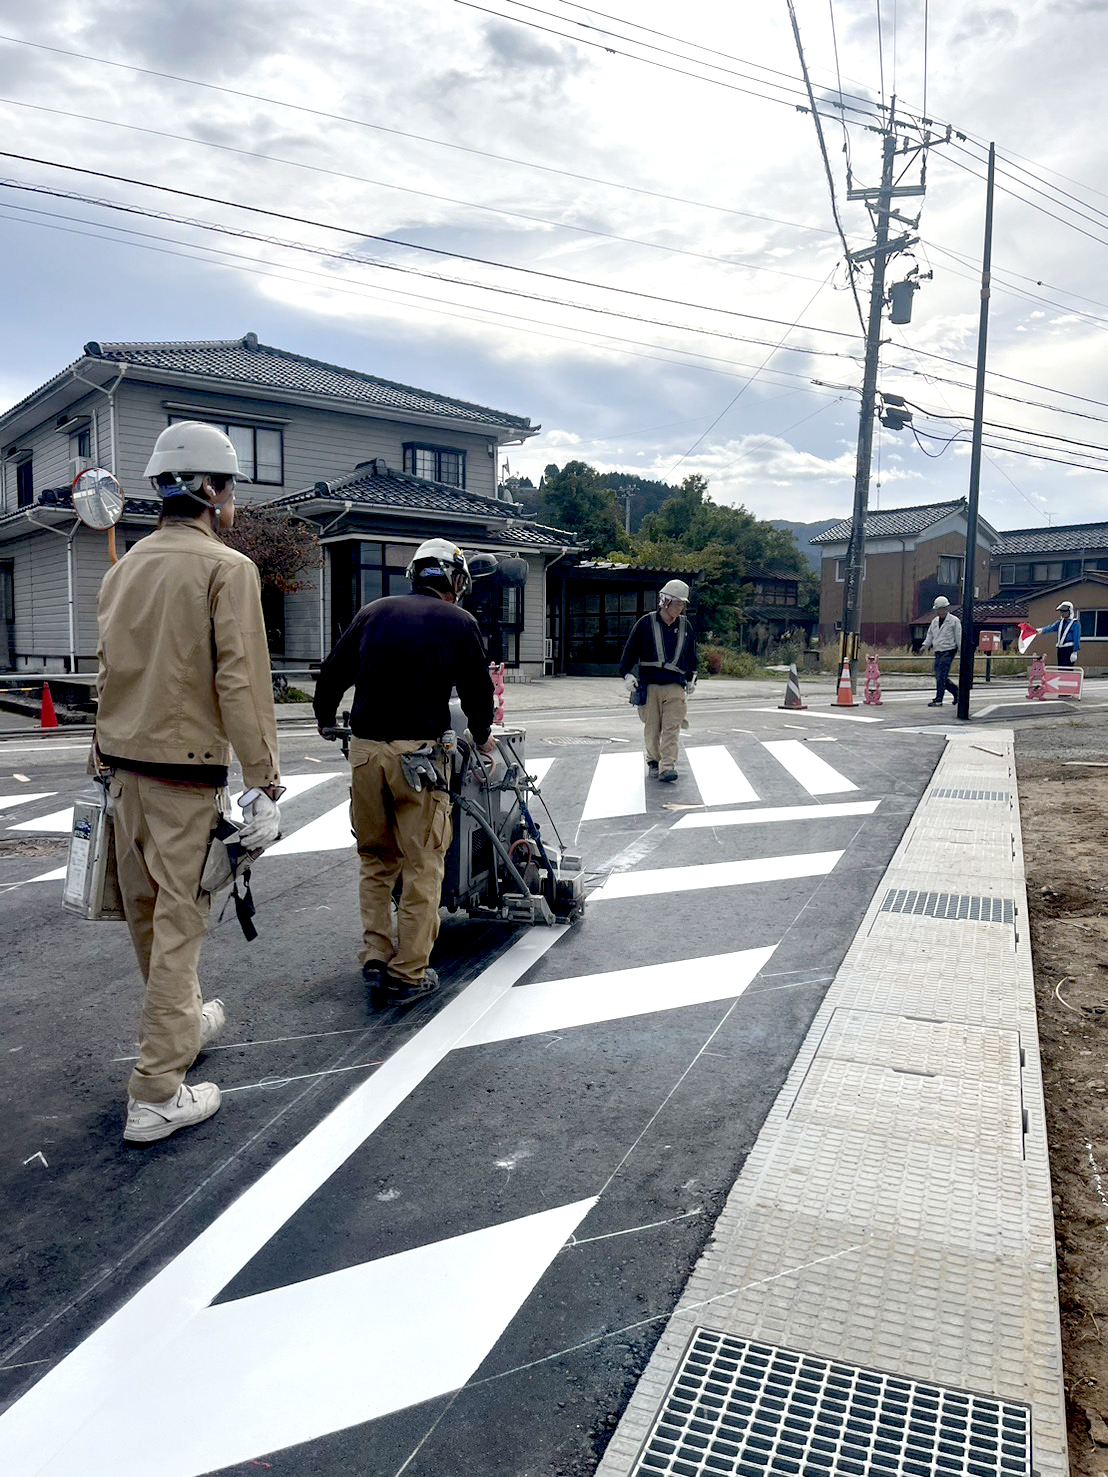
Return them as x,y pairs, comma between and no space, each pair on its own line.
659,648
1065,631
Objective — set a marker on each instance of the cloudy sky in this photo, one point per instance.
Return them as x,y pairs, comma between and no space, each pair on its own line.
616,222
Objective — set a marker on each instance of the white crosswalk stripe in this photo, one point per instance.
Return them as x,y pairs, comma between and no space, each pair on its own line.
328,832
718,778
560,1005
705,819
24,799
814,773
618,787
300,784
714,874
538,769
60,821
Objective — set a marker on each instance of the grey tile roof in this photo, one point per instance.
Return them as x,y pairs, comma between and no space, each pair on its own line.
247,362
399,493
893,522
1058,540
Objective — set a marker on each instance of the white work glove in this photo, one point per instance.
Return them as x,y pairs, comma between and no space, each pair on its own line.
1073,656
261,821
690,685
630,681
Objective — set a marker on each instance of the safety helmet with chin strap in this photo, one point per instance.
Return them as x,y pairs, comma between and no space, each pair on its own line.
674,590
187,452
1066,605
438,559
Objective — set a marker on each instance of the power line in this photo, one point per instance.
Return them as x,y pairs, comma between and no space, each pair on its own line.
275,102
437,251
411,190
827,168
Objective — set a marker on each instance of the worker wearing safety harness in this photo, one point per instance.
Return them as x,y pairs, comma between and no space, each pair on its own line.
403,655
1068,627
183,678
661,645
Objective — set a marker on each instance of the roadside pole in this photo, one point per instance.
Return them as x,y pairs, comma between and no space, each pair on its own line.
965,658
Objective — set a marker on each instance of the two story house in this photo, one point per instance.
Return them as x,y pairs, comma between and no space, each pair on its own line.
374,466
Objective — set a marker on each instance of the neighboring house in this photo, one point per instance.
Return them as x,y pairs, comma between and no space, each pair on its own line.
772,612
912,555
375,466
591,605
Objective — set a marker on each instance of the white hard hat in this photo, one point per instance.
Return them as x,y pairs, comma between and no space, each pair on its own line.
941,603
674,590
439,556
1066,605
191,449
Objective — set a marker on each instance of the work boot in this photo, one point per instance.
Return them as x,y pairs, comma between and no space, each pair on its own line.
373,972
669,776
147,1122
213,1018
652,768
936,702
404,992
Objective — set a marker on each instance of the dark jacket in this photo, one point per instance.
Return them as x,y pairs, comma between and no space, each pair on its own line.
403,655
642,651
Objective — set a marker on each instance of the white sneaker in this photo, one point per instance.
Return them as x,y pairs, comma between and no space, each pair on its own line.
188,1105
212,1020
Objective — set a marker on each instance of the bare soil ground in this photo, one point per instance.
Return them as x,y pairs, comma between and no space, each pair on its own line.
1064,810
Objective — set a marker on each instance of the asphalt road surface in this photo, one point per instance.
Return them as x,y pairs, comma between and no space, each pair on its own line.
439,1241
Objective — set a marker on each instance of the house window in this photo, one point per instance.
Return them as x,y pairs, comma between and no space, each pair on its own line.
1042,574
80,444
436,463
774,592
840,570
950,570
1094,625
260,449
24,484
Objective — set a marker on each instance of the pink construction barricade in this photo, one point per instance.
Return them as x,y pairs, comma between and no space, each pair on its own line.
1052,682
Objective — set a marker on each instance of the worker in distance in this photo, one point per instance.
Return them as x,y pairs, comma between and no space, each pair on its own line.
944,638
662,648
403,655
183,679
1067,629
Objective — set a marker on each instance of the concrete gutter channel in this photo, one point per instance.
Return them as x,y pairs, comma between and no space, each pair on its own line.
894,1216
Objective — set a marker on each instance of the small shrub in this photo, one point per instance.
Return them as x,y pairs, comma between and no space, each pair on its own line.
721,661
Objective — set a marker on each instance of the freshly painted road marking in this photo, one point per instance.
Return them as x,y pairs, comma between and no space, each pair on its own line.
60,820
704,819
718,778
328,832
814,773
538,769
819,713
318,1356
56,875
560,1005
25,799
114,1361
618,787
299,784
714,874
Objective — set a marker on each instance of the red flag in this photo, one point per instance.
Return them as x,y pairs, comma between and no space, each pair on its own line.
1026,636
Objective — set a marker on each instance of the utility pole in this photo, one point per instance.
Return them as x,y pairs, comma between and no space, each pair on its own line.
965,659
879,253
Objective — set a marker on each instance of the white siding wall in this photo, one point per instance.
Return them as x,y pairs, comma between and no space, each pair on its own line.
302,623
533,638
91,563
49,449
41,601
319,445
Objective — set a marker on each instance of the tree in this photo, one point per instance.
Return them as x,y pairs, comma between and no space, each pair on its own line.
575,500
282,547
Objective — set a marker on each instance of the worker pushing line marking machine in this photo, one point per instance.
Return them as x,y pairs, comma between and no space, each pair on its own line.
497,867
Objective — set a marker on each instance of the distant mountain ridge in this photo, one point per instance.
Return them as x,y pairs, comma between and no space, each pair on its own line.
804,533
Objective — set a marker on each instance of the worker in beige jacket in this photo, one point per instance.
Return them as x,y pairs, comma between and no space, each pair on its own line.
184,677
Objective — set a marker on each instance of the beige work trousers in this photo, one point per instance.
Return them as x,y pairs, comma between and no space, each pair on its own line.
662,715
161,838
402,833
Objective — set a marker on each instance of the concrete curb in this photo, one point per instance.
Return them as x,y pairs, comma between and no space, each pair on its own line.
895,1211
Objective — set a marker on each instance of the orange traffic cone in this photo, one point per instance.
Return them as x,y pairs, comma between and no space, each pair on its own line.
49,718
792,691
844,698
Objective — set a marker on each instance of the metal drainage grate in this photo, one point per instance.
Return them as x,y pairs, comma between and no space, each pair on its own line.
1002,795
745,1408
948,905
